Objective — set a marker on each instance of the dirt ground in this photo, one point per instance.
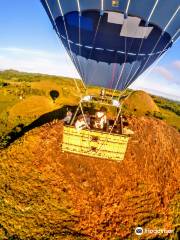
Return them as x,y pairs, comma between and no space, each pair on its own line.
47,193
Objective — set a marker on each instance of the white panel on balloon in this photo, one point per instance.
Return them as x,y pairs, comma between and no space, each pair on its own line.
132,29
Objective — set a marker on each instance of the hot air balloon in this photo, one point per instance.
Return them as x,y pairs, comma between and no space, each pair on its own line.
112,42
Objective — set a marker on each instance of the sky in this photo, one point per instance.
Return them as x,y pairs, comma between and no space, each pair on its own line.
29,43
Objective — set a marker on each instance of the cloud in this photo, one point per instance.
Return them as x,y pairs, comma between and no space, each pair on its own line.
176,64
154,84
164,72
38,61
31,52
32,60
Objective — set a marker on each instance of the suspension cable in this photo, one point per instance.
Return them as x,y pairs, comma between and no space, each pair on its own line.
57,31
169,22
69,49
102,6
123,67
94,39
67,37
93,43
113,71
161,55
73,57
150,55
110,132
142,40
125,57
127,8
152,11
84,117
126,53
79,14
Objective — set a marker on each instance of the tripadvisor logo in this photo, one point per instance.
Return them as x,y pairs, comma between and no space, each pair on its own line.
139,231
115,3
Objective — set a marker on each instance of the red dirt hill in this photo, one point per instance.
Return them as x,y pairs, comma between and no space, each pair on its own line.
47,194
141,103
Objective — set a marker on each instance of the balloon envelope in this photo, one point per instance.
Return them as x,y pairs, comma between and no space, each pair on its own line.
54,94
111,43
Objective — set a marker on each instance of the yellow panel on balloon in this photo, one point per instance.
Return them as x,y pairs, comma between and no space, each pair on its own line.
115,3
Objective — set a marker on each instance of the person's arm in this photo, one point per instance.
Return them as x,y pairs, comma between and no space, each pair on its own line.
77,125
101,117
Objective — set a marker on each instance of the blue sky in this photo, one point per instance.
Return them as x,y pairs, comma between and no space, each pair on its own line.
29,43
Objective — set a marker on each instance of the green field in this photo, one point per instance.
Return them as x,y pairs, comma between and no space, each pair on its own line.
25,97
170,111
49,194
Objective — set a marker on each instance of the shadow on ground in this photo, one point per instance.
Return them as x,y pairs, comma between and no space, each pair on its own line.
20,129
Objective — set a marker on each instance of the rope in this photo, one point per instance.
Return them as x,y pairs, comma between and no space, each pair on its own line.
127,7
72,57
102,5
113,73
126,54
116,119
84,117
82,70
138,54
169,22
152,11
94,39
93,42
125,58
141,44
57,31
161,55
158,59
67,37
110,132
122,69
